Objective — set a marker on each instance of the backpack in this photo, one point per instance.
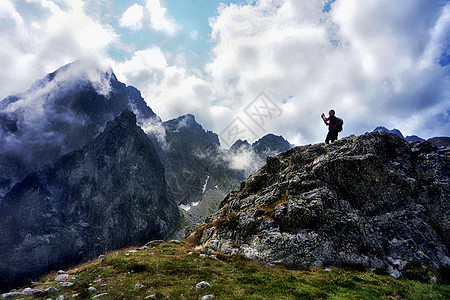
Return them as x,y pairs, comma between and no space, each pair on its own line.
338,125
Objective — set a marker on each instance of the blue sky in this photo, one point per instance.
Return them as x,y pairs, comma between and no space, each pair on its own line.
192,37
376,62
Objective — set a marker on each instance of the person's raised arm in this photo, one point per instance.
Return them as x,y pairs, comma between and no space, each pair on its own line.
325,120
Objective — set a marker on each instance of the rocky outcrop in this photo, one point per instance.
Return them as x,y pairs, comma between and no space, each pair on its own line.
374,201
110,194
442,141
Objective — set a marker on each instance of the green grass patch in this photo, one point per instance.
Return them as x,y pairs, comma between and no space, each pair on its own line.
173,270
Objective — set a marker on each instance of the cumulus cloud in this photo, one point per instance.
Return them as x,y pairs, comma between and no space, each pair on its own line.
38,37
374,62
153,15
133,17
160,18
170,90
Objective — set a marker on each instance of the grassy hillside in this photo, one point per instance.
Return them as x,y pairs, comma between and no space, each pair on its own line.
173,269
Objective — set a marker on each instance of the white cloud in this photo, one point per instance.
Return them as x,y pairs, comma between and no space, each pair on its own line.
160,18
169,90
374,62
154,15
133,17
54,36
243,159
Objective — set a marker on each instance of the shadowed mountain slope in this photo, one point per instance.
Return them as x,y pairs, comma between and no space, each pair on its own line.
109,195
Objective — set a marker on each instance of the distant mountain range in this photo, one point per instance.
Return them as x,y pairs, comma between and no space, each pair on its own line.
87,167
438,141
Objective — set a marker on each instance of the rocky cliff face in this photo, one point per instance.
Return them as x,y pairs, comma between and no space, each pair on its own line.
110,194
374,200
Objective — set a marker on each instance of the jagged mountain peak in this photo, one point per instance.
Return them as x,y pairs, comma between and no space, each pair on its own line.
271,143
394,131
77,75
239,144
191,130
126,118
183,122
409,138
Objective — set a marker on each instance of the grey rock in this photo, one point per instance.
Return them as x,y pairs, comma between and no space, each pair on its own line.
61,277
373,201
60,297
92,289
28,291
100,295
51,290
202,286
206,297
154,242
11,295
65,284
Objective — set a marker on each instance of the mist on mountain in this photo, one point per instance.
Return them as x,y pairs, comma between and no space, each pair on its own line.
58,114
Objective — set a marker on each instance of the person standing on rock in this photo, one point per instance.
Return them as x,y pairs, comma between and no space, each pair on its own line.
334,126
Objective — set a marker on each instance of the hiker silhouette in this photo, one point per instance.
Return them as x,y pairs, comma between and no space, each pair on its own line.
334,126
